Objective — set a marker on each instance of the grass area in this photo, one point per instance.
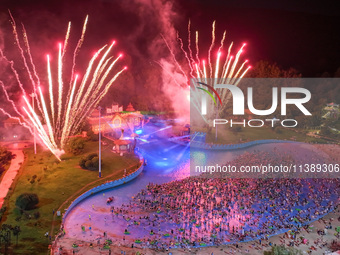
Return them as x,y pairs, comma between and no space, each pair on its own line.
226,136
54,183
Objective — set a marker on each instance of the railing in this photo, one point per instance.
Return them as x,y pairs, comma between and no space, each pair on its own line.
100,188
208,146
106,186
211,146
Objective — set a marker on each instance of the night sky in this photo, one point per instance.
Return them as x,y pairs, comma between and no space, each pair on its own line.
303,35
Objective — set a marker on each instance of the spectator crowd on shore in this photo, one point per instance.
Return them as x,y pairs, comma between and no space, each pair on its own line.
198,211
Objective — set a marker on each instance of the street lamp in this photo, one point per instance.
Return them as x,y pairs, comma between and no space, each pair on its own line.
35,142
100,146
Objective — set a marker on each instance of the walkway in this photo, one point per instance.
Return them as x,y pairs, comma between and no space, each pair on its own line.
7,180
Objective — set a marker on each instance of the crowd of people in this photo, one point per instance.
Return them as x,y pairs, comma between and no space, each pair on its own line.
198,212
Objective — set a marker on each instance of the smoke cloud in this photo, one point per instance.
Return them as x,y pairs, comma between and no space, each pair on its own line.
140,26
163,15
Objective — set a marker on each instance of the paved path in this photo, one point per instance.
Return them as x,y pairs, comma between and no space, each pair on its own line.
7,180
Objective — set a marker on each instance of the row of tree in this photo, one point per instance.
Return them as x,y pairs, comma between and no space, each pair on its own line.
323,91
5,158
140,88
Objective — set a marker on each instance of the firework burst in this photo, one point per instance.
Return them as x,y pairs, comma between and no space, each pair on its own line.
220,67
56,119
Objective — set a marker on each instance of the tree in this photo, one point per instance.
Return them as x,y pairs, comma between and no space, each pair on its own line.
5,156
27,201
5,236
264,69
236,129
2,169
325,131
76,145
16,232
92,136
315,120
90,162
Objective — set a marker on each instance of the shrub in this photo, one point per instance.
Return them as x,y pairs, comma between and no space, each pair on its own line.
90,162
91,156
36,215
278,130
76,145
5,156
2,169
3,209
95,161
325,131
236,129
92,136
82,163
27,201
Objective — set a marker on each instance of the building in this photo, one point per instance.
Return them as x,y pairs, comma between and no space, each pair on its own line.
114,108
333,105
130,108
122,146
332,111
185,130
115,124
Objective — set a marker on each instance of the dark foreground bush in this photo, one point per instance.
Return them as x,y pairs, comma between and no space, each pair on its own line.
27,201
2,169
5,156
90,162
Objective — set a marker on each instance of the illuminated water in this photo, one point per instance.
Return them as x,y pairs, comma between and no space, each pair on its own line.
166,161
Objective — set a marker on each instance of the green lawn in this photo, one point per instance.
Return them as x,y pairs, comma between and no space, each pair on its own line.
55,183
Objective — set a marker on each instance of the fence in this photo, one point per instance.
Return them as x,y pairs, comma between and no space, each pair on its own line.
106,186
210,146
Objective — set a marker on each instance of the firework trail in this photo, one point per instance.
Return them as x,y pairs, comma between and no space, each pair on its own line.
220,68
57,120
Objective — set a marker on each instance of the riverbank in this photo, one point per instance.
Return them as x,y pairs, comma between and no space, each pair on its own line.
320,243
55,182
158,174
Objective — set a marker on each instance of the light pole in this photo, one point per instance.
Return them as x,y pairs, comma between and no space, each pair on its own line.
100,145
216,125
35,142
